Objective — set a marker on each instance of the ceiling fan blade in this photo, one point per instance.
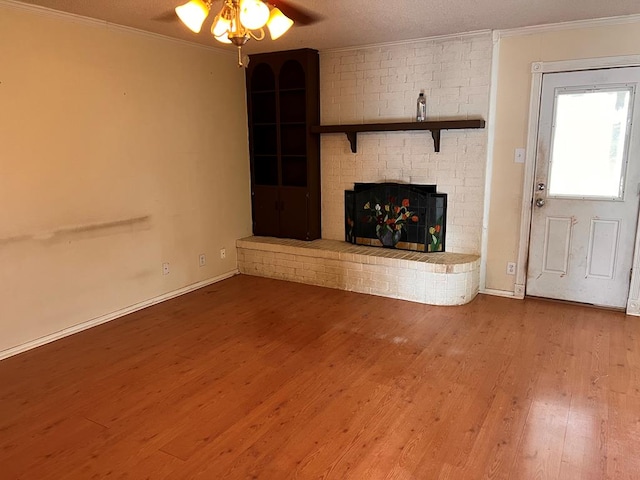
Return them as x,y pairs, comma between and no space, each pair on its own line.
299,15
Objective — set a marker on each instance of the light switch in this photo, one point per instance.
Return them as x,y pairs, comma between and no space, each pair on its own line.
519,158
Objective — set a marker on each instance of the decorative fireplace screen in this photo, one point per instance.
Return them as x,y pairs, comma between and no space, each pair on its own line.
396,215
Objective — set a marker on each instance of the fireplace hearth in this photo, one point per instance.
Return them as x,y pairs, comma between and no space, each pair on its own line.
396,215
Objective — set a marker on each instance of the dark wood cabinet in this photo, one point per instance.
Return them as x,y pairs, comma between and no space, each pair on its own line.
283,99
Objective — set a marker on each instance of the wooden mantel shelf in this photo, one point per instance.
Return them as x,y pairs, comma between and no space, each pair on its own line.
351,131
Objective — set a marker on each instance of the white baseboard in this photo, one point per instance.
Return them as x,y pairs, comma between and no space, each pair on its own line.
112,316
499,293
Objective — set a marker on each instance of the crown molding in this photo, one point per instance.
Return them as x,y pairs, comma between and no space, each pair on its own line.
452,36
508,32
72,17
48,12
556,27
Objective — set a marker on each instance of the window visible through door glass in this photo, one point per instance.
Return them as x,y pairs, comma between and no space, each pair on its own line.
588,158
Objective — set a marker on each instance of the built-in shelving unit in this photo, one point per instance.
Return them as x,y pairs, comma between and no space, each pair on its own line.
283,100
351,131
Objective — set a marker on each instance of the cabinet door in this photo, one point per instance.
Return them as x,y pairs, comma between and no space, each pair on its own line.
263,126
293,127
293,213
266,210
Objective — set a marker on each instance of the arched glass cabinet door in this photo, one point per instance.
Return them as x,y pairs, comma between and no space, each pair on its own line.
264,125
293,129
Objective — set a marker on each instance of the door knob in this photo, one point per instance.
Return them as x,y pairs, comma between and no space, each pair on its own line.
539,202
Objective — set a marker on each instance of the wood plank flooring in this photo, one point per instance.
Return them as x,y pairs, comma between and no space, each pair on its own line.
253,378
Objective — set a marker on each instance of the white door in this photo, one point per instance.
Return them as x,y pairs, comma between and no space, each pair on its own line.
586,187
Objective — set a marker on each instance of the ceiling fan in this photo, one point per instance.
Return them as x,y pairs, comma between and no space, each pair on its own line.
299,15
240,20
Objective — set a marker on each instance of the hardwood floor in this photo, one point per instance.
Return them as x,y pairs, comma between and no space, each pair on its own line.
253,378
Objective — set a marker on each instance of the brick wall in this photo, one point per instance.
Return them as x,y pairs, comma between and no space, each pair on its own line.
380,84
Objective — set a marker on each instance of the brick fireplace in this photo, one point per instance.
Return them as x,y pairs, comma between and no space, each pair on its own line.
380,84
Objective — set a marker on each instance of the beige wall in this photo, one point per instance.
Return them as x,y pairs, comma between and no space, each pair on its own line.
119,151
516,54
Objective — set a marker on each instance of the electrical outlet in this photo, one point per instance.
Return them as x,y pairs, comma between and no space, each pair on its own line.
223,253
165,269
202,259
511,268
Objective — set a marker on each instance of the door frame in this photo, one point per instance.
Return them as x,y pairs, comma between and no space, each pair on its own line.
526,211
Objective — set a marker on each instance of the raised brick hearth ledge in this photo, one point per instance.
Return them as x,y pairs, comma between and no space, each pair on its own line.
430,278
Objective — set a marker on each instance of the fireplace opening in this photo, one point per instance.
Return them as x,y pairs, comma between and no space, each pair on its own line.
396,215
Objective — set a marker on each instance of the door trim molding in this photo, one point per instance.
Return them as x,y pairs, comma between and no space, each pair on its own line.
537,70
488,174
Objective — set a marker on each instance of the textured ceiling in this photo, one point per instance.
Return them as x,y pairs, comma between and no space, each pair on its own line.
347,23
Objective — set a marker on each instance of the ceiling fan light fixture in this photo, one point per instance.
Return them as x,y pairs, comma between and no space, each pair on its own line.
254,14
278,23
222,26
220,30
193,13
238,21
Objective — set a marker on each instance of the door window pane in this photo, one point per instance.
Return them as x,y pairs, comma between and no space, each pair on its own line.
588,157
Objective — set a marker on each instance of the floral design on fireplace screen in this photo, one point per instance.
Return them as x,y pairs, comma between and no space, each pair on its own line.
414,214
